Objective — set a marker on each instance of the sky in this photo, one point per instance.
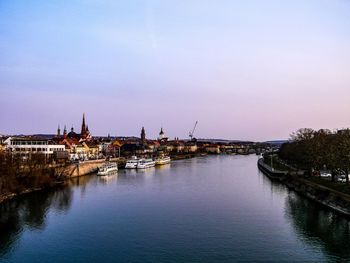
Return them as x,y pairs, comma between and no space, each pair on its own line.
247,70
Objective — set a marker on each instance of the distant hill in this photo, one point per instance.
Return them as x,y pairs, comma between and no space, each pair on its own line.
221,141
44,136
277,142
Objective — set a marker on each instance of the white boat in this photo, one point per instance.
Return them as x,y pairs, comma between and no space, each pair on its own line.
132,163
145,163
163,160
107,168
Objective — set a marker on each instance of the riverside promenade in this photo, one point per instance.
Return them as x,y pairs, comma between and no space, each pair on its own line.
335,200
64,172
271,172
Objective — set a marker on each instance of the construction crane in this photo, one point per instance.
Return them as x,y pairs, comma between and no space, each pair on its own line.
192,132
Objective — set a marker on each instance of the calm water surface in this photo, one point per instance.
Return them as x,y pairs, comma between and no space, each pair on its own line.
209,209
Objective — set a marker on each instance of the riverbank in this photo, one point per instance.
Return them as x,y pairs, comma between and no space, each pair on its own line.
335,200
74,170
10,196
62,173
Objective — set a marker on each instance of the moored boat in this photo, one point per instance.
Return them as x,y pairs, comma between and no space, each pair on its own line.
163,160
146,163
107,168
132,163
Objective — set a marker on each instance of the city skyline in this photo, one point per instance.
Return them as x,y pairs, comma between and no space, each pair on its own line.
245,70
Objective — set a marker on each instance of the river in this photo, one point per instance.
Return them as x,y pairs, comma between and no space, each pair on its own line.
206,209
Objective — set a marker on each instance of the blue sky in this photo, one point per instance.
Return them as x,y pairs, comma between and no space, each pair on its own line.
244,69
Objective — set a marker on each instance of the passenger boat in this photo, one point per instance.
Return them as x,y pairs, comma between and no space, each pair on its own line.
132,163
146,163
163,160
107,168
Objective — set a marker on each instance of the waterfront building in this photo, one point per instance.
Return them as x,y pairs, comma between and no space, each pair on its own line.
104,147
169,147
113,148
79,152
26,146
190,147
227,148
85,151
212,148
153,145
178,146
94,150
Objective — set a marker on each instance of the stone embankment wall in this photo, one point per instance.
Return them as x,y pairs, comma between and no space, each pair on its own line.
335,200
272,173
84,168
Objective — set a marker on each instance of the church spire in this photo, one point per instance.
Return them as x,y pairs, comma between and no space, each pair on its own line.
65,132
58,131
83,126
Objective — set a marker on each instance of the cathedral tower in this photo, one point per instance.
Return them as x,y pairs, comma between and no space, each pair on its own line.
65,132
143,135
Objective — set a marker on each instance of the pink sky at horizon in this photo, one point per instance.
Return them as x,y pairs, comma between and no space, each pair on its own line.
246,70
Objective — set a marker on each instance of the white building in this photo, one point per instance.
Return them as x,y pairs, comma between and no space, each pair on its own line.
30,145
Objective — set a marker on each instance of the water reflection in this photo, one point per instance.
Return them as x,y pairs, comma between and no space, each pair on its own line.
275,187
317,225
80,184
106,179
29,212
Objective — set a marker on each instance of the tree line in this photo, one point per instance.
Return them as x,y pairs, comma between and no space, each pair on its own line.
319,150
18,175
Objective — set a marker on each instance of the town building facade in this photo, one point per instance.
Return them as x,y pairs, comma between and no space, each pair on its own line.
27,146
